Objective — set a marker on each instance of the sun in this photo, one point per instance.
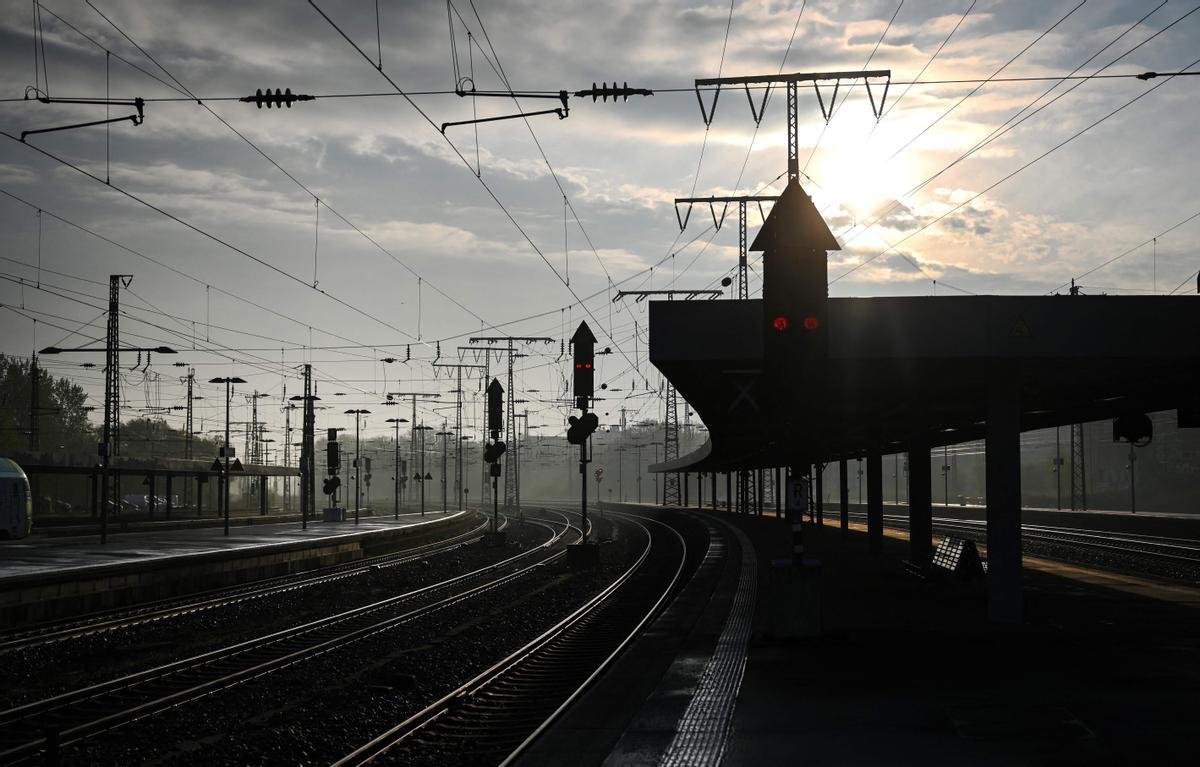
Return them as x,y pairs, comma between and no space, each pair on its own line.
864,184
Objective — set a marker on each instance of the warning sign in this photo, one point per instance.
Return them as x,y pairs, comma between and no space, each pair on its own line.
1020,329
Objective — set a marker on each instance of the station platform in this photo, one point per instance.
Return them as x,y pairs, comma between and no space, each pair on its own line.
1104,670
49,578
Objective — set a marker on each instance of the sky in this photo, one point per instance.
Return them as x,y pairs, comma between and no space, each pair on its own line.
350,229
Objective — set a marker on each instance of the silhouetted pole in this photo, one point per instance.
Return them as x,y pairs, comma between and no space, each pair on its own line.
229,382
844,495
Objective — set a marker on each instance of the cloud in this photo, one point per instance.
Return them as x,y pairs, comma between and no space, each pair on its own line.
17,174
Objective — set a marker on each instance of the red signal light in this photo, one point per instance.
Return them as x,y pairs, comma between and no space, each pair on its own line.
811,323
780,324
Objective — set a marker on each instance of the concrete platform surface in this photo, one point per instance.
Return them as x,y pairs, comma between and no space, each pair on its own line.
33,556
1105,669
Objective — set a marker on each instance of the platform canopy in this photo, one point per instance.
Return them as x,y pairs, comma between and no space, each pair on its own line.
875,373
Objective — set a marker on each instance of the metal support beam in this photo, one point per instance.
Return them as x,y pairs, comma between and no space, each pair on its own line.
1078,469
671,491
793,133
875,500
920,501
844,495
1003,454
819,493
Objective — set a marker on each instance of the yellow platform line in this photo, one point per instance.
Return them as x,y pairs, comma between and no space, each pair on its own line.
1129,584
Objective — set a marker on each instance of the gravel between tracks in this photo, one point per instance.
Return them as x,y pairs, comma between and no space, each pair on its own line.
40,672
319,710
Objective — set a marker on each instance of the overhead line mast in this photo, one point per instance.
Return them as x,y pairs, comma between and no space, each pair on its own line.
512,497
791,85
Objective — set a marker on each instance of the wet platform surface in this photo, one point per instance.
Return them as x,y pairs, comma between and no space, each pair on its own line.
1104,670
33,556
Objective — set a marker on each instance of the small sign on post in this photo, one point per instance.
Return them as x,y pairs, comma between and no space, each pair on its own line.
797,502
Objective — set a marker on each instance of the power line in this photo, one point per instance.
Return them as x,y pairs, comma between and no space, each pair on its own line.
833,113
997,183
916,80
976,89
691,89
205,233
508,214
1121,255
1009,125
173,269
282,170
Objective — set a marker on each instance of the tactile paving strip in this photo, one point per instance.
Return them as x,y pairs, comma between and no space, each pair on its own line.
703,730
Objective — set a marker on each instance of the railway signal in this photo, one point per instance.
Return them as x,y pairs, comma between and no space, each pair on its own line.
583,344
581,428
333,457
493,450
331,484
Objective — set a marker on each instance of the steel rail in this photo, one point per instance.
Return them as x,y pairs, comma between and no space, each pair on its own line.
109,620
562,644
176,683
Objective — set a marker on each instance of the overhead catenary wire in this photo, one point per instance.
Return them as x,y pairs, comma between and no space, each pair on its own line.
688,90
1011,174
172,269
1012,122
281,169
1135,248
203,232
978,87
908,85
491,193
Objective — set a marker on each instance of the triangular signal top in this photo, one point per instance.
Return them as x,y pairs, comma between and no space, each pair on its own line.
583,335
796,218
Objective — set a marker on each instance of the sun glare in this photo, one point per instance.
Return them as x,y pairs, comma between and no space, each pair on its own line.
862,184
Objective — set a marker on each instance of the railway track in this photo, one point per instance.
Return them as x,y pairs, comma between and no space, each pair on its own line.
31,730
110,620
494,716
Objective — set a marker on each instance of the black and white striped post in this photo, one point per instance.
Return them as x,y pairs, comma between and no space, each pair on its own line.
797,500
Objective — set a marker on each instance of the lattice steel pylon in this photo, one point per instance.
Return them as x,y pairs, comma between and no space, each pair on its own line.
287,451
459,485
112,366
512,498
1078,469
743,283
671,491
746,480
188,437
747,492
